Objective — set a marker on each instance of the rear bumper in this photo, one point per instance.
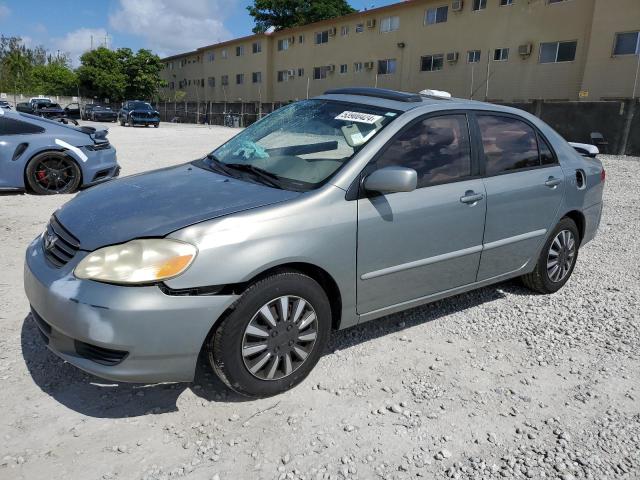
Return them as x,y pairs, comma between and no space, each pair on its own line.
130,334
592,216
101,165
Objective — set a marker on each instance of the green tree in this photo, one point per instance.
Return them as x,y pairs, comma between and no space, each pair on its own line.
54,78
101,75
120,74
281,14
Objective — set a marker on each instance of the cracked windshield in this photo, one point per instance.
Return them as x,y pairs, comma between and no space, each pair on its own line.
301,145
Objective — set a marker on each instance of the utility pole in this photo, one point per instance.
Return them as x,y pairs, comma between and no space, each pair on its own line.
473,66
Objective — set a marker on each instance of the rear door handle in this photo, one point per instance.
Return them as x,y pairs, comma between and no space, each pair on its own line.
471,198
553,182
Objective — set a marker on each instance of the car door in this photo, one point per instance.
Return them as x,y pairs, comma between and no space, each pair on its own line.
72,110
524,184
414,244
15,137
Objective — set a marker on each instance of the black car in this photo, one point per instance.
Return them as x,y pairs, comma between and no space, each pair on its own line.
102,114
42,108
4,104
136,112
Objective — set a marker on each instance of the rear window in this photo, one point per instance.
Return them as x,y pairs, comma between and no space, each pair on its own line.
11,126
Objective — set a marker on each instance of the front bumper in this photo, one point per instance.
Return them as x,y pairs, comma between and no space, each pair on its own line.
135,120
159,335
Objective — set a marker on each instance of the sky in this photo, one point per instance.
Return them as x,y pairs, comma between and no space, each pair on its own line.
164,26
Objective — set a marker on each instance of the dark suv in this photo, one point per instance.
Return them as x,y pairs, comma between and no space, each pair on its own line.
136,112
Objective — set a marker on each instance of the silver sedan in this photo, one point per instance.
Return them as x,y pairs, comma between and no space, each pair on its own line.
325,214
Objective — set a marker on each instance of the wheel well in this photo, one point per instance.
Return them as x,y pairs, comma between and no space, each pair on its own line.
579,220
321,276
26,165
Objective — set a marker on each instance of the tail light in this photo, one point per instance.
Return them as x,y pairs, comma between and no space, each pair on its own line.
603,176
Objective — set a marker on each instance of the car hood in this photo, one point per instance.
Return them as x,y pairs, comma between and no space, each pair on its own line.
159,202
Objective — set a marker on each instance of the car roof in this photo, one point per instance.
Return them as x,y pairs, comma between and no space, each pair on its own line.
405,101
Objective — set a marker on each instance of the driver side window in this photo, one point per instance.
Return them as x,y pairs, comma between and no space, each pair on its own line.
437,148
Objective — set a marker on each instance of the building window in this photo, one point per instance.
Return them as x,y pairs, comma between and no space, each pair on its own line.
473,56
436,15
556,1
240,51
256,77
224,53
555,52
212,81
344,30
282,76
239,78
479,5
212,56
343,68
283,44
627,43
301,72
320,73
389,24
224,80
501,54
322,37
431,63
387,66
256,47
358,67
360,28
301,39
506,3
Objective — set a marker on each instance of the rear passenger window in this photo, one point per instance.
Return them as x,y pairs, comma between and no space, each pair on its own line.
509,144
437,148
9,126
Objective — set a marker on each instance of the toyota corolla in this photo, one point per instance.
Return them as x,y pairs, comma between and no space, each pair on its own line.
327,213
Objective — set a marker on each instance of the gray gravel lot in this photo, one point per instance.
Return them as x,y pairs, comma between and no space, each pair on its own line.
497,383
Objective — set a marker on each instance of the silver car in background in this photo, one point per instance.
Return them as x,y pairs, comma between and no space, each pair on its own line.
325,214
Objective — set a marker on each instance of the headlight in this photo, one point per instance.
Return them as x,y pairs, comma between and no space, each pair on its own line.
137,261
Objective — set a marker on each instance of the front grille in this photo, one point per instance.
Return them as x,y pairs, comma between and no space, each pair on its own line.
103,356
58,244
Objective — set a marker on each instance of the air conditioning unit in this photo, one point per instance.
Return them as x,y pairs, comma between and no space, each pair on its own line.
371,23
452,57
331,68
332,32
457,5
292,40
368,65
525,50
291,73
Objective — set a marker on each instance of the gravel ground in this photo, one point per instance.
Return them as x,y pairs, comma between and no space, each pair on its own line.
497,383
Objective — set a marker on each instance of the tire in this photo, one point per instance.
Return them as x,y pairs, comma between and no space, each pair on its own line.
230,350
42,180
122,124
553,270
156,125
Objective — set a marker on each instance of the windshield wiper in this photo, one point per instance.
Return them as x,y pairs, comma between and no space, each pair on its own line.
266,177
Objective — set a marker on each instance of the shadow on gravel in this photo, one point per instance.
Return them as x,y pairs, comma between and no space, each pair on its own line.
95,397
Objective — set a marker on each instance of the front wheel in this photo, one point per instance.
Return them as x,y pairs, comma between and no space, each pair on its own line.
557,259
274,335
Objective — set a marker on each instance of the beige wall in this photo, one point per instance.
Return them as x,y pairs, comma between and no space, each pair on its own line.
606,75
592,23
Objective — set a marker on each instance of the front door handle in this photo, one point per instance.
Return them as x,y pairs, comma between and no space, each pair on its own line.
553,182
471,198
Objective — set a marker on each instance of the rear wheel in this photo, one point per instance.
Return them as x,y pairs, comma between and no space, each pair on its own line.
122,124
49,173
274,335
557,259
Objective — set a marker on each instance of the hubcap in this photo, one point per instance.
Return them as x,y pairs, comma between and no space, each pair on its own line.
562,253
279,338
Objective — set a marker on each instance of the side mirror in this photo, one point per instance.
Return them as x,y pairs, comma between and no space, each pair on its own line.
391,180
